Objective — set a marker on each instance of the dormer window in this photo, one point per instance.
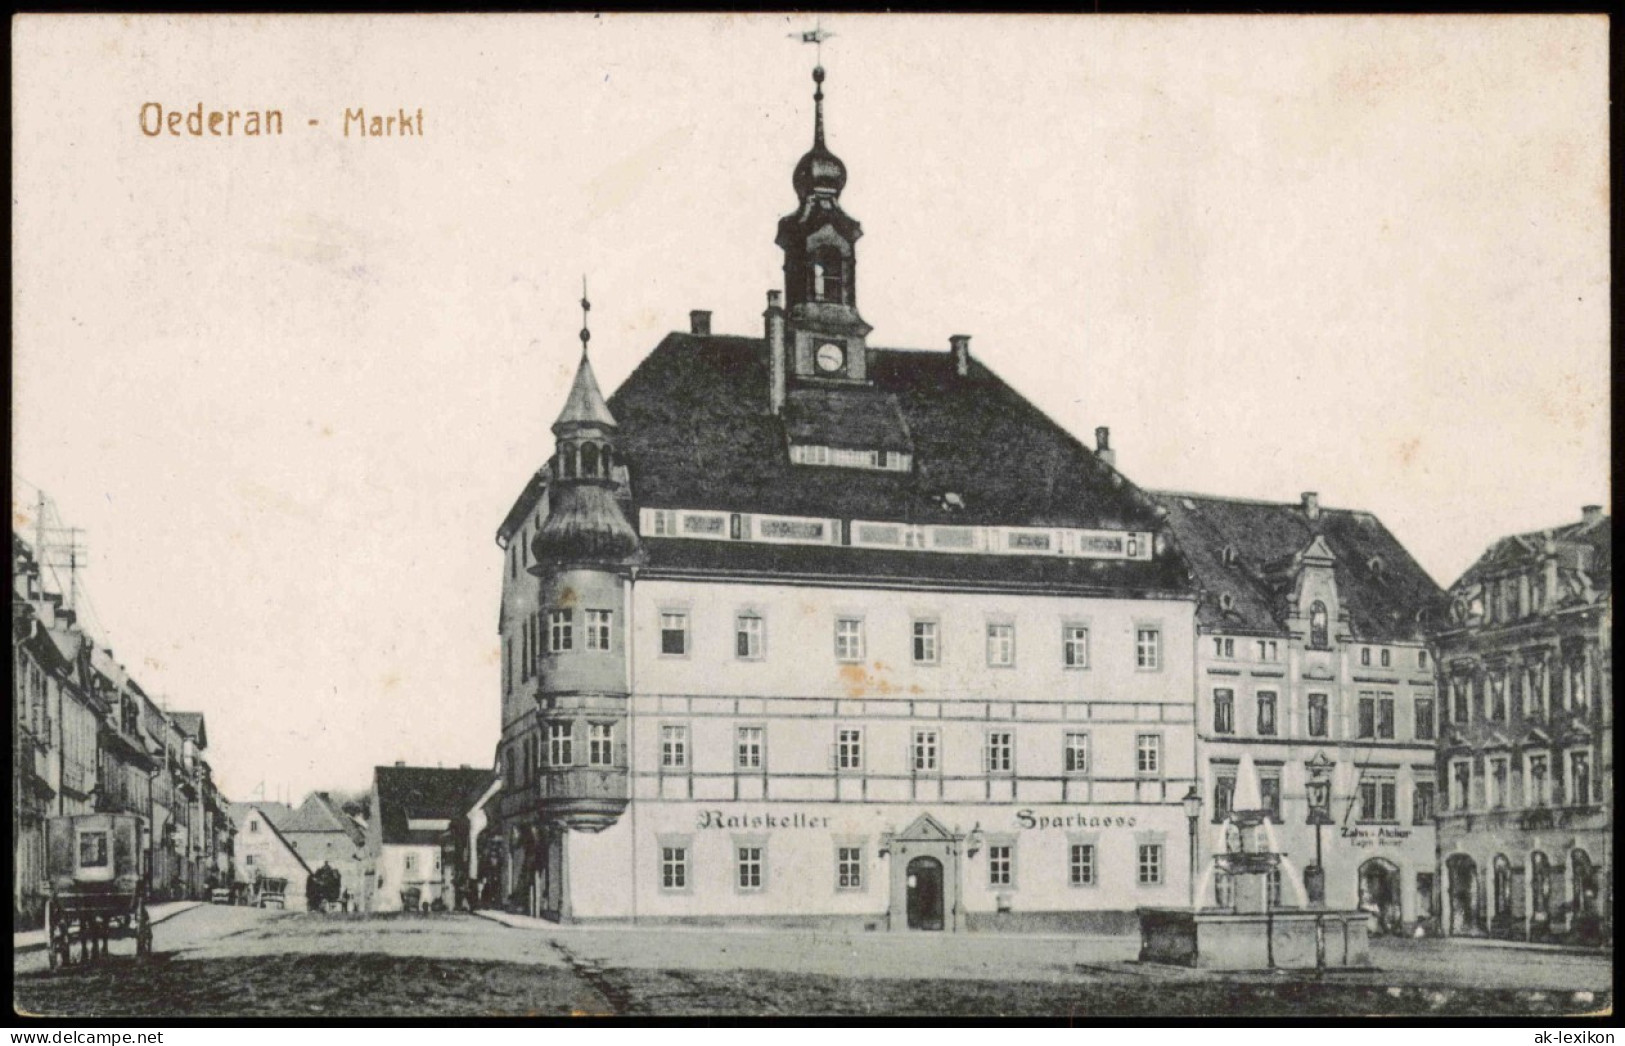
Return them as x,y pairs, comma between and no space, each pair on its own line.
1317,626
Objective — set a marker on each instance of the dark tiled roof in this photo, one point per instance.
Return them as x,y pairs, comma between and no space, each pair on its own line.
853,416
1387,594
1584,546
318,813
406,793
696,432
191,724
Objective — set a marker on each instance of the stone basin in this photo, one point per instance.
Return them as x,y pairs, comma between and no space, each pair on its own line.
1282,938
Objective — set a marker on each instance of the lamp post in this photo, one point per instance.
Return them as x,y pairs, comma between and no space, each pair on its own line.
1320,814
1193,810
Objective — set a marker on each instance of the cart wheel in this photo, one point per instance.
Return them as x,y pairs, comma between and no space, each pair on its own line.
51,930
143,932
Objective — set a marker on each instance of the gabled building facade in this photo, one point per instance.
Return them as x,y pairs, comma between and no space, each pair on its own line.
799,629
1311,666
417,836
1526,754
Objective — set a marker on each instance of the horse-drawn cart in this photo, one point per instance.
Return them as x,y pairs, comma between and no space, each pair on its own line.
94,887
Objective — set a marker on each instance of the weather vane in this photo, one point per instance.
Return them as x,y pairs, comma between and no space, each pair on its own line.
815,36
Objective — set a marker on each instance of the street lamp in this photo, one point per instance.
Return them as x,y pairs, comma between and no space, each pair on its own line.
1320,814
1193,810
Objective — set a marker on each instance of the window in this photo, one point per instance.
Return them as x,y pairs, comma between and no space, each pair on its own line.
674,867
1318,631
560,744
411,862
1150,864
750,867
749,748
925,751
1385,716
1000,862
849,639
1269,793
1377,799
1365,655
1495,783
249,860
748,636
598,629
1224,711
559,630
1422,802
1266,712
93,849
1421,659
674,633
1224,648
1148,754
1148,649
1458,699
849,868
1498,697
1075,754
1385,657
1075,646
1081,871
1224,796
1001,645
253,824
925,642
600,751
525,648
1461,783
674,747
1537,690
1367,724
1268,650
1424,719
999,752
1317,718
1272,886
849,749
1579,778
1579,692
1539,778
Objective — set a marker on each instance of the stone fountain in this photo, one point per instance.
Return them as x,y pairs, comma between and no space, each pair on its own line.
1252,932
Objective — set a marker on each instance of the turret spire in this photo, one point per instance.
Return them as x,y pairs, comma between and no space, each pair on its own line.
818,107
586,307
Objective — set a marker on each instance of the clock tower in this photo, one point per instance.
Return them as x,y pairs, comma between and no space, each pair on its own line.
825,334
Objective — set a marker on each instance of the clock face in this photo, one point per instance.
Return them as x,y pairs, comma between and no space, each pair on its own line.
830,357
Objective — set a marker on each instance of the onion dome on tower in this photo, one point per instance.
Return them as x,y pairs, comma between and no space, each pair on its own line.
585,523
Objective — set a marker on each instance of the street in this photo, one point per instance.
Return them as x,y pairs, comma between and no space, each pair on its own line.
222,961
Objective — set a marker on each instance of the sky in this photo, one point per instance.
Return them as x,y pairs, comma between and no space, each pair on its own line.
289,386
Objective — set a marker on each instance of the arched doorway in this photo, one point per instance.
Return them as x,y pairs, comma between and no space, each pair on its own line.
1540,895
924,894
1380,894
1501,906
1466,917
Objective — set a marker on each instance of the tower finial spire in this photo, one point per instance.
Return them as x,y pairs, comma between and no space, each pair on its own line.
818,107
586,307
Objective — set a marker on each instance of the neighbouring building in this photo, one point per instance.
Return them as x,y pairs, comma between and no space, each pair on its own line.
1311,661
413,846
322,833
1525,664
260,850
797,629
87,738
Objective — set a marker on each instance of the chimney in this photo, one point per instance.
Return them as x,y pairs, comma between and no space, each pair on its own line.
1103,446
776,363
1590,513
699,321
959,347
400,762
463,766
1311,504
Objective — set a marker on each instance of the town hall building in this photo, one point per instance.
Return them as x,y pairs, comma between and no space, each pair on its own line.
799,629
